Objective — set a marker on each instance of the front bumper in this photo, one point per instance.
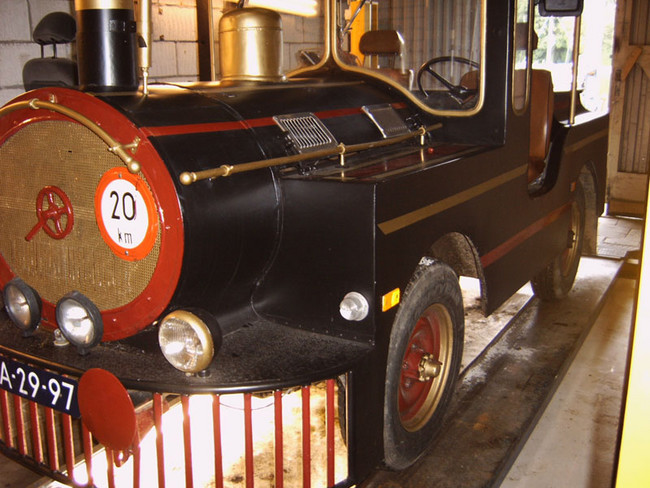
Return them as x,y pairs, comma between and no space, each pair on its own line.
270,411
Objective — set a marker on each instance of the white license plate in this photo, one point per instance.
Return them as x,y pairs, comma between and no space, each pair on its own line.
48,389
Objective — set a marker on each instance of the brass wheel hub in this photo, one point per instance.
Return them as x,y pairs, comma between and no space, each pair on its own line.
429,367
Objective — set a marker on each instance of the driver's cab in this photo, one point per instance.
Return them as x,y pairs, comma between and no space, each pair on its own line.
455,59
433,50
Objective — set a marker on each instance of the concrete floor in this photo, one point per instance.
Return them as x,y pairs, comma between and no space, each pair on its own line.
574,443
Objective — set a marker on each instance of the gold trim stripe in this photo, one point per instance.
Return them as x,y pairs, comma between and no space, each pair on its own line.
398,223
103,4
586,141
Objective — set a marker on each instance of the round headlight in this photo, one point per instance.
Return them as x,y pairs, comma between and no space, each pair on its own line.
354,307
187,341
23,305
80,321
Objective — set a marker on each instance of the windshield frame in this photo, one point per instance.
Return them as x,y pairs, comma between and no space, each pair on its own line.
331,57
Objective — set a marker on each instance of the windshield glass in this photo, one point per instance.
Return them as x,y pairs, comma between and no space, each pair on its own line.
430,48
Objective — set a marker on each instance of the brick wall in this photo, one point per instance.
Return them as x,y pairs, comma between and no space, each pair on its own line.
174,50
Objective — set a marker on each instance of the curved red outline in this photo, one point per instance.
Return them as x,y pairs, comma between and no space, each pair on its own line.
144,309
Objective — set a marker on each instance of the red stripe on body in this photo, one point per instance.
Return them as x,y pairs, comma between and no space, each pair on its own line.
503,249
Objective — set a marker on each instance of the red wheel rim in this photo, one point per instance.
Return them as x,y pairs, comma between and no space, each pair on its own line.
420,390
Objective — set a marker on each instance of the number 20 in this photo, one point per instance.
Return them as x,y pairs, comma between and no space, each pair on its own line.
128,206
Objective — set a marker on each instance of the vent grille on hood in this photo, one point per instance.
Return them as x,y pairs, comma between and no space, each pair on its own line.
306,132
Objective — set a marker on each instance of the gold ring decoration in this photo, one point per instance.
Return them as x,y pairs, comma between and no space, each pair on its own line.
103,4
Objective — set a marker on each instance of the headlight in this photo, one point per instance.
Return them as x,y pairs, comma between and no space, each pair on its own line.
23,305
354,307
80,321
188,341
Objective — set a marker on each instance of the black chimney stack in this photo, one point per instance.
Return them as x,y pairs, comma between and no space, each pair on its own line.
106,45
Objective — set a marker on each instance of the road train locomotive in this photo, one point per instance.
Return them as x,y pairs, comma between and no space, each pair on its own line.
278,233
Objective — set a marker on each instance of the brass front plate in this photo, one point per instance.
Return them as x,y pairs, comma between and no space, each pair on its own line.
70,157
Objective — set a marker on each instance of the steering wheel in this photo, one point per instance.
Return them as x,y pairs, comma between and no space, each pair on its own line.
458,92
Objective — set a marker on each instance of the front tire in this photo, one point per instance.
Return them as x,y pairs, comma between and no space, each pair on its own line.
556,280
424,357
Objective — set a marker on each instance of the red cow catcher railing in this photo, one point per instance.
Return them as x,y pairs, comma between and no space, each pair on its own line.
287,437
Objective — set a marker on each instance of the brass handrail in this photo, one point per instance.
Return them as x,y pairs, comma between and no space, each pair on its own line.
116,148
189,177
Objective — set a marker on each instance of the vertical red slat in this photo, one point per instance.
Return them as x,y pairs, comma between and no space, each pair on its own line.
6,422
110,472
218,459
68,443
136,463
187,441
88,452
279,454
330,432
19,422
160,451
306,439
37,438
248,435
52,444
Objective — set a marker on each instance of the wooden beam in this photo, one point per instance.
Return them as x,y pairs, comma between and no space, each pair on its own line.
205,32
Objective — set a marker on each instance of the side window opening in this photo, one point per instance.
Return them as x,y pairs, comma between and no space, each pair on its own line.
523,45
555,53
532,89
553,41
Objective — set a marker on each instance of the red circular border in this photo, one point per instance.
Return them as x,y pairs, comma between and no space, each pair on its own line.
145,308
141,251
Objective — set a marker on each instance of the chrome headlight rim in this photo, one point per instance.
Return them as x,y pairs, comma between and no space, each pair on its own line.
92,314
205,328
31,305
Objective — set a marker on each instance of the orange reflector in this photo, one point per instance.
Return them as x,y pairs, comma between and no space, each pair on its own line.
390,299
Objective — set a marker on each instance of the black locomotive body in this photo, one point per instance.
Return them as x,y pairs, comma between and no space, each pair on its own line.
305,229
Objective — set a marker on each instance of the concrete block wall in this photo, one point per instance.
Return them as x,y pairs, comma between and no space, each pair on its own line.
300,33
174,49
17,21
174,53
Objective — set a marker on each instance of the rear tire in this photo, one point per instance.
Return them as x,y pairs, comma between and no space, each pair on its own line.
424,357
556,280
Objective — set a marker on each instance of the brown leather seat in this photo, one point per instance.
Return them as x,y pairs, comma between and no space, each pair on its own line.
541,121
53,29
390,54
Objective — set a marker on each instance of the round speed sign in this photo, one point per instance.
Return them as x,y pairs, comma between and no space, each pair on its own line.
126,214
